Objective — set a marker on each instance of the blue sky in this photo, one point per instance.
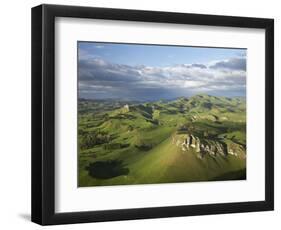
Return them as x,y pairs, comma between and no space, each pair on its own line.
153,55
152,72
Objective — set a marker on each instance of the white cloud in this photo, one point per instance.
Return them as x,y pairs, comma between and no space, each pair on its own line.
230,64
99,47
177,80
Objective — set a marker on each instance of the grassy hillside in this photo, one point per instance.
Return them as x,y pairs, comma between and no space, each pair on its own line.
201,138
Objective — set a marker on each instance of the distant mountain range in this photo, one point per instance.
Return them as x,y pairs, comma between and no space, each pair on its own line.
164,100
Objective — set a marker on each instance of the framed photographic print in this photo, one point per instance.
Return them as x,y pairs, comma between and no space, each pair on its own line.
142,114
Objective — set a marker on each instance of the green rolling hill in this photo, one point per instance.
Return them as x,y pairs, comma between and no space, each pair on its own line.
201,138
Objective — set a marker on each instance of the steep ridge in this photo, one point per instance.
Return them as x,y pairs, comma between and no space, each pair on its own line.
206,146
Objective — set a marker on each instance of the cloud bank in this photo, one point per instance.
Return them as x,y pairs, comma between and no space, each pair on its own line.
100,79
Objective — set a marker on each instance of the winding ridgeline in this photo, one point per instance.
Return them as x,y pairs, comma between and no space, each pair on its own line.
201,138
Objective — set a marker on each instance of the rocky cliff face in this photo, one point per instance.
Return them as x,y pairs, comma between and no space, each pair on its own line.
203,146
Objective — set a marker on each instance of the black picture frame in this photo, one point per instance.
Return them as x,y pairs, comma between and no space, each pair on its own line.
43,114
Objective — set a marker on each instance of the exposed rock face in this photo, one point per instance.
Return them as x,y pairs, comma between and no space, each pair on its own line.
197,145
192,141
126,108
206,146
